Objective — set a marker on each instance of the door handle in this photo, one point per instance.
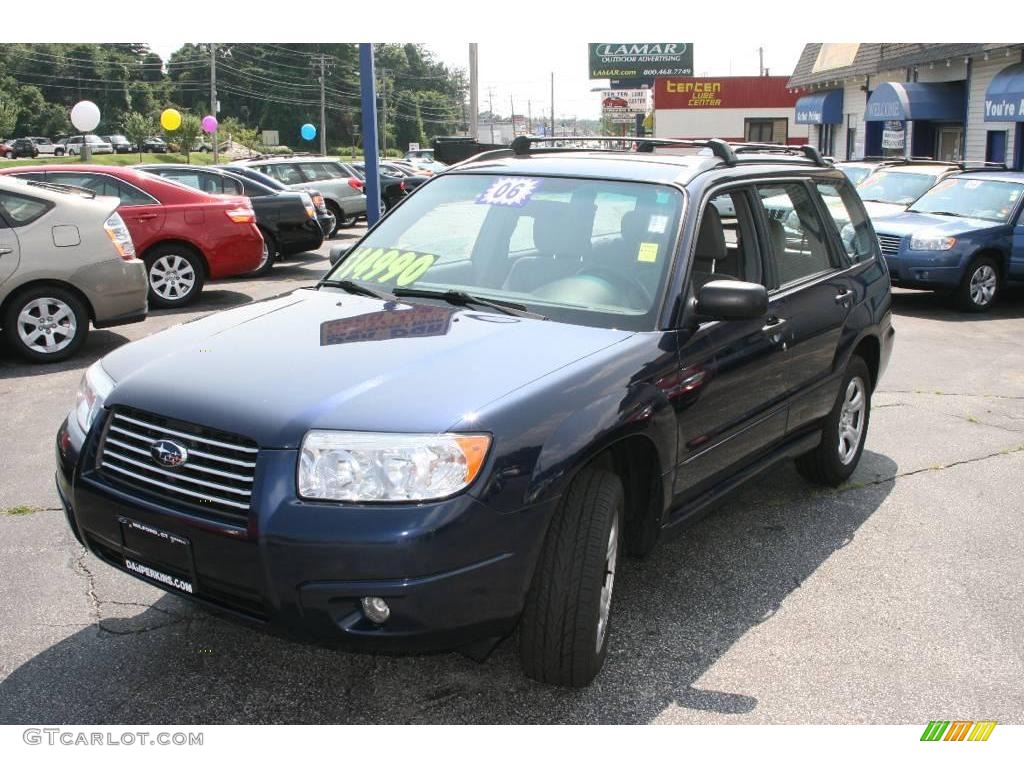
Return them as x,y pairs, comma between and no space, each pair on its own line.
146,216
5,251
773,325
844,296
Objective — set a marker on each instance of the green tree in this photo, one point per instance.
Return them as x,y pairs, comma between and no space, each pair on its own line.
9,111
187,133
137,128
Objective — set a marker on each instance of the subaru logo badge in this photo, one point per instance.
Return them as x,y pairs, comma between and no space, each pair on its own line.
168,453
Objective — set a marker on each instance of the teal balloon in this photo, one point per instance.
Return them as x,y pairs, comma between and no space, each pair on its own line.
308,131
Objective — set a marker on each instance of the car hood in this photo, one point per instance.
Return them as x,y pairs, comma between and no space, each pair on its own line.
907,223
877,210
330,360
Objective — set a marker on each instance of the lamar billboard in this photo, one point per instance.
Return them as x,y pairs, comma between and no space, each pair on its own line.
640,60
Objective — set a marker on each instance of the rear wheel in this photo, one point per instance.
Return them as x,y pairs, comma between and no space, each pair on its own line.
46,324
269,257
563,634
176,276
9,155
980,287
844,431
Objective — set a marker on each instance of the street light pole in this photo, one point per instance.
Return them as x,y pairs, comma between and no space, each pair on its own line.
213,99
474,94
368,94
323,110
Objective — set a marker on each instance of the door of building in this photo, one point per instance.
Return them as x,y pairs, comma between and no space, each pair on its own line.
949,141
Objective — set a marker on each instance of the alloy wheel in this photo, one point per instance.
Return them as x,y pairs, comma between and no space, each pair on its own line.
851,419
172,277
605,602
983,285
47,325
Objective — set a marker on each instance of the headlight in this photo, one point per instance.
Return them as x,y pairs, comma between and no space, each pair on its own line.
925,241
92,393
382,466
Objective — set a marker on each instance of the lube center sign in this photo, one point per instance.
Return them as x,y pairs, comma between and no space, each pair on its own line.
629,60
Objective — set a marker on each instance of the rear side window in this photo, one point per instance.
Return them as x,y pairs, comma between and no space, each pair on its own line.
851,220
797,238
102,185
323,171
284,172
20,210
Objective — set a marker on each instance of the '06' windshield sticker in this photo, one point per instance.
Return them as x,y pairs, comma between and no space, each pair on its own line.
512,191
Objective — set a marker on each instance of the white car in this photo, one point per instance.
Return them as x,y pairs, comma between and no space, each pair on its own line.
893,187
73,146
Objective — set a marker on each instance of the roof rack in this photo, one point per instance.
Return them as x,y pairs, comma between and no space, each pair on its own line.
808,151
905,161
985,167
521,144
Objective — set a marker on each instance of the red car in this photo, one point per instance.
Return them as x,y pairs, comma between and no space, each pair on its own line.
185,236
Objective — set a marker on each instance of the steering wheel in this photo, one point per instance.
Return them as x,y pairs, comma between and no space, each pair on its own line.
632,287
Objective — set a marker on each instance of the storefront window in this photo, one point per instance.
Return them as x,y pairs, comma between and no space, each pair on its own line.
768,130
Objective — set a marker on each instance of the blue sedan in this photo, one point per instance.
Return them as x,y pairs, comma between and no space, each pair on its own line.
964,236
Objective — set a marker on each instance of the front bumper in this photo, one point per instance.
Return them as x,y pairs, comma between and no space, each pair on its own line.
917,269
453,571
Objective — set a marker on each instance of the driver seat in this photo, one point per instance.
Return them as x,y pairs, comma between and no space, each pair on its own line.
561,247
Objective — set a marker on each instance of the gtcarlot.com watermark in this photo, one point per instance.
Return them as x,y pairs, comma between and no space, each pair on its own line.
70,737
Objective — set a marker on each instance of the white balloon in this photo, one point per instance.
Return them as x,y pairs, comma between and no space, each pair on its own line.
85,116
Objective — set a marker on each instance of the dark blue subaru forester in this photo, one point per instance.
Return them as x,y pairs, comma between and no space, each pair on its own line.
540,360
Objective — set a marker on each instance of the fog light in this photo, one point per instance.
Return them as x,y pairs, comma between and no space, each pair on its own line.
376,609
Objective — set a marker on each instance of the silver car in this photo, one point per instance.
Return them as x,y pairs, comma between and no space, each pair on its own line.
341,187
66,258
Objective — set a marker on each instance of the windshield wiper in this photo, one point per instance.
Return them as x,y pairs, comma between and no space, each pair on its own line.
359,288
937,213
463,298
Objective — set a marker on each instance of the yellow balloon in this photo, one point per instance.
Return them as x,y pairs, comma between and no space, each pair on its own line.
170,119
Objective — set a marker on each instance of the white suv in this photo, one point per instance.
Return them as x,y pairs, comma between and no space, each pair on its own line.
73,146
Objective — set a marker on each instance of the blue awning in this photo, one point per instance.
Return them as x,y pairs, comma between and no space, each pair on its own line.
1004,99
819,108
917,101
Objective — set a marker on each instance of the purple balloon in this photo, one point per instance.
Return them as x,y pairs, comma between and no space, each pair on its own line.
209,124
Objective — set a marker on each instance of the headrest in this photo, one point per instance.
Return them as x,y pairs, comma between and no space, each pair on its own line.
554,233
711,238
634,225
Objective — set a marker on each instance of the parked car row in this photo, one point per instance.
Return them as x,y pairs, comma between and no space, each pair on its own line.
944,227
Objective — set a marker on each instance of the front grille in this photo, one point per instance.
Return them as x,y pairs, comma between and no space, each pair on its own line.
890,244
216,481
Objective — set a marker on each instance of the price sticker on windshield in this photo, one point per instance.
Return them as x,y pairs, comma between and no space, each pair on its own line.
512,191
385,265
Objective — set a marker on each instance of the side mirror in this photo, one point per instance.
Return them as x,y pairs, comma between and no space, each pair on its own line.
337,253
732,300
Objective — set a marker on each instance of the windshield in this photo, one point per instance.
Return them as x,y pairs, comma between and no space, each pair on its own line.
855,174
590,252
894,187
972,198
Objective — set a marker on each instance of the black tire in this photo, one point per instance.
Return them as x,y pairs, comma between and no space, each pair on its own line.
335,209
52,297
559,637
9,155
979,289
58,153
271,253
163,256
825,464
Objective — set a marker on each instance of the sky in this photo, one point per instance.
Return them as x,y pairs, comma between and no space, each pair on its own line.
508,72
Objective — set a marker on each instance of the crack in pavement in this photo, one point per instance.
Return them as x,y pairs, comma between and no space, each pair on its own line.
102,623
937,468
945,394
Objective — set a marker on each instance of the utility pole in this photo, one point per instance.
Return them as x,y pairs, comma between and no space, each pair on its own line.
512,106
529,117
552,103
474,94
323,110
490,109
760,58
213,99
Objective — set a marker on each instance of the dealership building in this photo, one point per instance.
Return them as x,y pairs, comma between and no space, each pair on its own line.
731,108
952,101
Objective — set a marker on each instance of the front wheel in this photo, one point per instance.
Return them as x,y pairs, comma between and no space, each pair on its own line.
844,431
175,276
46,324
980,287
563,634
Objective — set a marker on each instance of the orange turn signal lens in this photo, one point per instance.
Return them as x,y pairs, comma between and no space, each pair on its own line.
474,449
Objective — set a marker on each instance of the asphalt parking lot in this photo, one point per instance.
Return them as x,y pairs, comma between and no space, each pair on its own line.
896,599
